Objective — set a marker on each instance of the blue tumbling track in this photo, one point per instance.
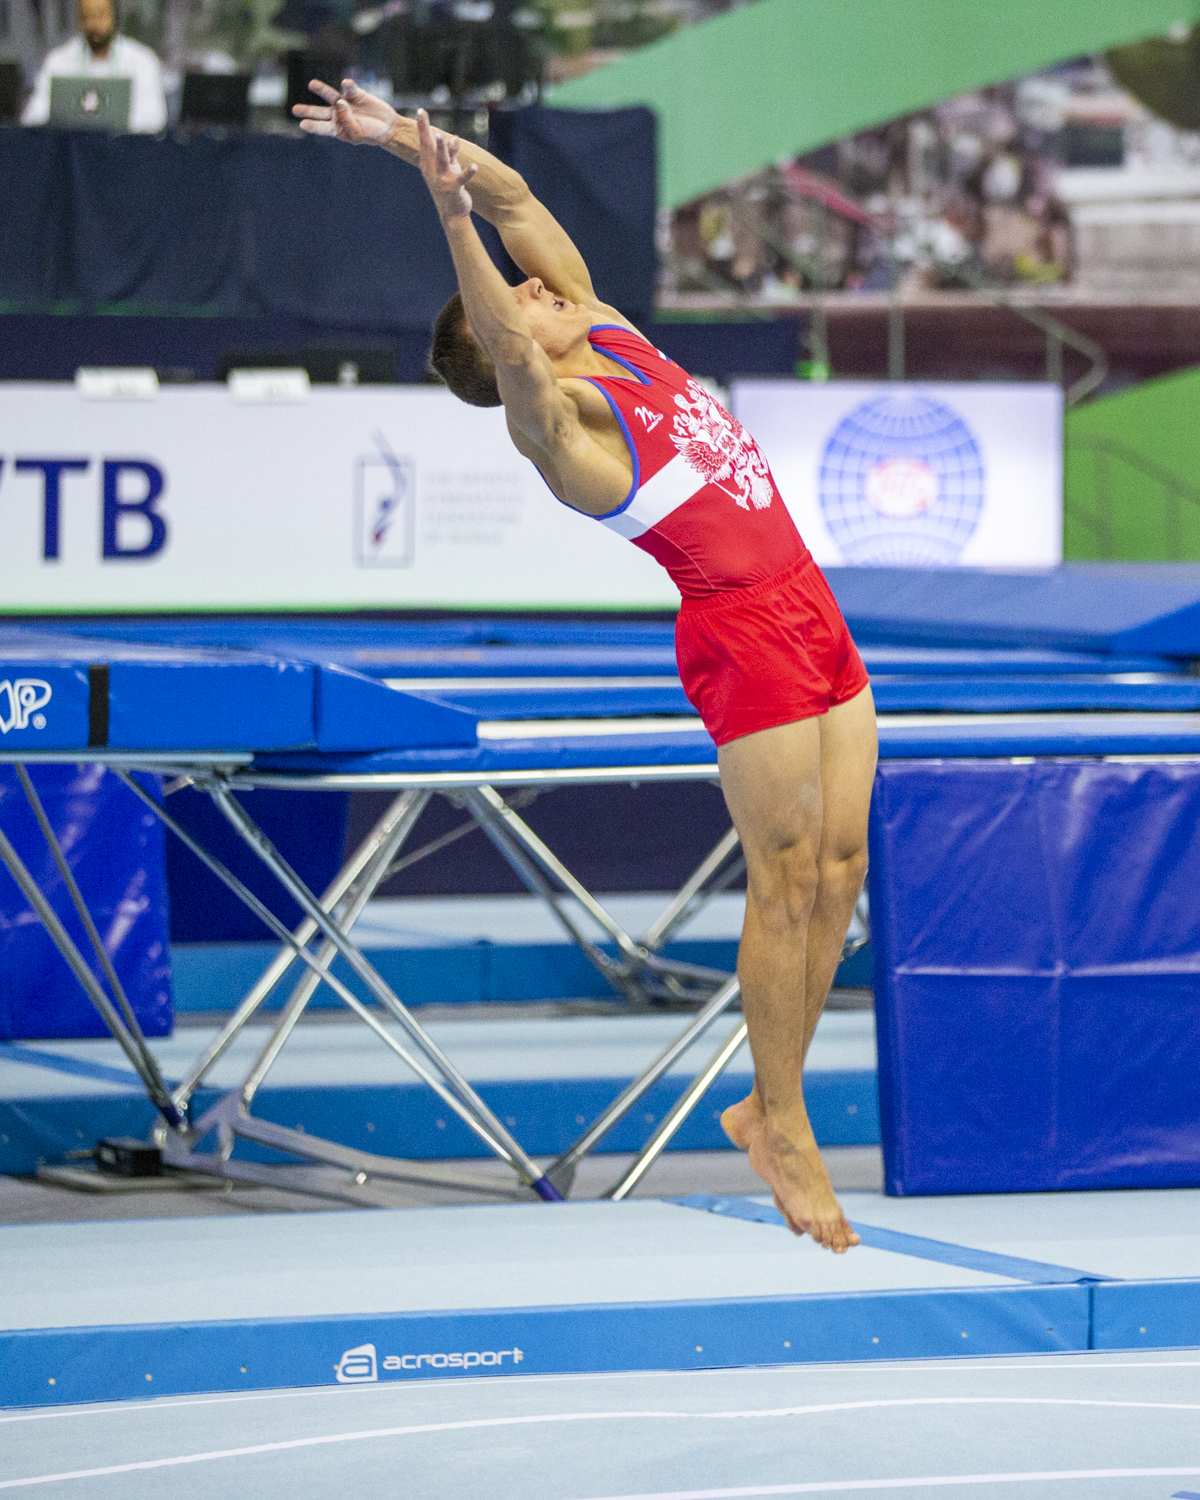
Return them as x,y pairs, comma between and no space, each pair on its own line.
92,1312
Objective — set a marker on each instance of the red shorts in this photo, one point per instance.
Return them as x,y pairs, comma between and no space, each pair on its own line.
770,654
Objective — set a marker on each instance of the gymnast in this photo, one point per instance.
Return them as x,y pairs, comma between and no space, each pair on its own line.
623,435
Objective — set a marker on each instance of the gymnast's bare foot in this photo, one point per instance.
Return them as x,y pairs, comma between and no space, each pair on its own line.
789,1162
741,1122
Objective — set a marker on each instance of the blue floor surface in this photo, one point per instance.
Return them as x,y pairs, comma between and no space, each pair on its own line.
1085,1426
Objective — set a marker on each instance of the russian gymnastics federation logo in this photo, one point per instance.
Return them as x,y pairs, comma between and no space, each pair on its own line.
901,482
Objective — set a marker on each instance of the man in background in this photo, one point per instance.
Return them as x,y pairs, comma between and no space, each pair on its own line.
98,52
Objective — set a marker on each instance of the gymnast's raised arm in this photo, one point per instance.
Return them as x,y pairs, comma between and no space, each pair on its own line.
531,234
543,413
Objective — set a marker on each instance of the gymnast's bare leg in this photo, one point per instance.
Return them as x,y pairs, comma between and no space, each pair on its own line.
799,797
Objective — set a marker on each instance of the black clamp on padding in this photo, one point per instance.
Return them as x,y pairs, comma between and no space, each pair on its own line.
97,707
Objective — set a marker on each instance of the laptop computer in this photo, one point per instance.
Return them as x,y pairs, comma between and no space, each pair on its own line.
215,99
90,103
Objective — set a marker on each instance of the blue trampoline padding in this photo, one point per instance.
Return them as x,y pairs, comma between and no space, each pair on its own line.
208,703
1037,952
693,747
1070,735
975,695
78,692
353,712
571,703
966,1256
44,702
1128,607
149,697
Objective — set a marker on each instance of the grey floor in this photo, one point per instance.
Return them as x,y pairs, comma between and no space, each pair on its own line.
1077,1426
26,1201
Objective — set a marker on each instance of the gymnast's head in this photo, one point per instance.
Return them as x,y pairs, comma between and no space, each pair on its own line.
559,327
459,361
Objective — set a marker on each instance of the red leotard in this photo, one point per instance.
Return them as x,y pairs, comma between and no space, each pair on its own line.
760,640
703,502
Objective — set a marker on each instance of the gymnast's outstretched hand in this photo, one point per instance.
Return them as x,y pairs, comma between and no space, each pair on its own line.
353,115
445,176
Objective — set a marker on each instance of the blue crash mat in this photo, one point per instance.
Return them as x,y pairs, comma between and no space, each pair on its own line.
1037,944
1138,607
115,848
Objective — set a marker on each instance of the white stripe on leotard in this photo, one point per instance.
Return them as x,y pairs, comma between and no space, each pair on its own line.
675,483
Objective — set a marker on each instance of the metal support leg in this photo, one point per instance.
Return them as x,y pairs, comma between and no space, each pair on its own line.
61,938
1054,357
493,806
485,1122
529,857
536,883
562,1172
352,909
373,855
683,903
498,1142
683,1107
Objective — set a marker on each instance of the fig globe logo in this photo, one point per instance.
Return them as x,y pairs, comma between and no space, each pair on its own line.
901,488
901,482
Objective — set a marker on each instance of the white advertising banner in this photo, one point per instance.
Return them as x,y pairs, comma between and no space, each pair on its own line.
899,475
368,498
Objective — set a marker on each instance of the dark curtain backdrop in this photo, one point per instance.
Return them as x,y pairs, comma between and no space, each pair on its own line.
595,171
299,228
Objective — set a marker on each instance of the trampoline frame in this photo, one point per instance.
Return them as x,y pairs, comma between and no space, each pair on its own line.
640,972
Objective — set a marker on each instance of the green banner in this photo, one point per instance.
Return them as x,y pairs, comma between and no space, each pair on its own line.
779,77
